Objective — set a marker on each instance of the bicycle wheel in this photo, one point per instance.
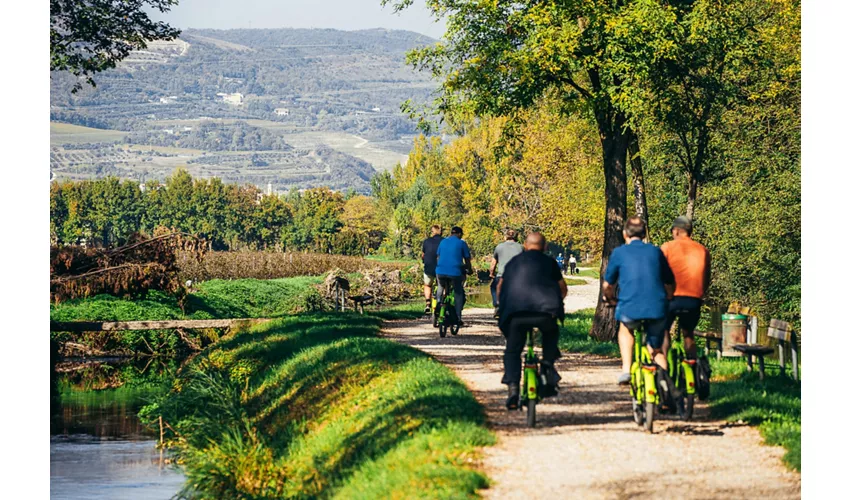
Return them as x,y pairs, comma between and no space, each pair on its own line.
638,412
443,329
650,417
531,415
689,406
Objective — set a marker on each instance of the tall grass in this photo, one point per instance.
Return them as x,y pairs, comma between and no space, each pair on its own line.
317,406
270,265
773,405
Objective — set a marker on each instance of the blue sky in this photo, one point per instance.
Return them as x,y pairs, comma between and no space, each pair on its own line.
338,14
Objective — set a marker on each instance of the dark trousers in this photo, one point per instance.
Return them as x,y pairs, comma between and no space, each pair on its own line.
517,328
457,284
493,287
572,268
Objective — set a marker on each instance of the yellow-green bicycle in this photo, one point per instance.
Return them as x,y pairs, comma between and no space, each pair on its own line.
643,385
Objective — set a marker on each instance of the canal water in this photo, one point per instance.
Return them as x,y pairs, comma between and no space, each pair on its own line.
99,449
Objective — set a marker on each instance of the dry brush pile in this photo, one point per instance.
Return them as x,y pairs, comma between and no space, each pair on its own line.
271,265
127,271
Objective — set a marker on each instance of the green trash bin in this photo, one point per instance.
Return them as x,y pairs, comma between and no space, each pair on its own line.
734,332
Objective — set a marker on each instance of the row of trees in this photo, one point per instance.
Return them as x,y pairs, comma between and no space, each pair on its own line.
486,185
107,212
692,85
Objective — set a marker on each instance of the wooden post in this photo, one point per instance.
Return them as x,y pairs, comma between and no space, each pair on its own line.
342,303
782,356
794,355
161,432
336,296
749,363
761,367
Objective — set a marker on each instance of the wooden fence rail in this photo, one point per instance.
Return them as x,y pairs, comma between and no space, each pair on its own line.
108,326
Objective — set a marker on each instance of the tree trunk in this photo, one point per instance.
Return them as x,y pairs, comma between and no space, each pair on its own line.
614,155
692,196
638,182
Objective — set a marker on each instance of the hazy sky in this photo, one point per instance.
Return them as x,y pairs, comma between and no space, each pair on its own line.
339,14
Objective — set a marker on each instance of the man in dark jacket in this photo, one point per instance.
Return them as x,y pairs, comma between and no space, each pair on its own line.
429,261
531,294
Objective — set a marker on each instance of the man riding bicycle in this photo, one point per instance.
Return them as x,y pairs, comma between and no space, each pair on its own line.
429,261
691,266
645,285
531,295
504,252
454,262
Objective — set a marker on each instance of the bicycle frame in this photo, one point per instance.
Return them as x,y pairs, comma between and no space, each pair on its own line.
680,366
642,387
530,370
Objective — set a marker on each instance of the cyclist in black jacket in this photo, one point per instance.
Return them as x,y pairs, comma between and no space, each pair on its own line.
429,260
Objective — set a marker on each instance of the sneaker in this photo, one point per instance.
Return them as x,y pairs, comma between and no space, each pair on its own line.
513,397
461,324
624,379
496,313
427,308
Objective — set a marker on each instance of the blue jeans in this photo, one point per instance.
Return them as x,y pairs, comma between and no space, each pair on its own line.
493,287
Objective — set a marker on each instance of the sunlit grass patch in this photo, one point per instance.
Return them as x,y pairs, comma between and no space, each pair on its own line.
321,407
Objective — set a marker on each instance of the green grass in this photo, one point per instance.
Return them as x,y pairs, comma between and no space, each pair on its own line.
574,282
774,405
245,298
389,258
592,272
317,406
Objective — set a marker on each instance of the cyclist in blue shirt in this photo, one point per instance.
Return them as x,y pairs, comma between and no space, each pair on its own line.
454,262
646,284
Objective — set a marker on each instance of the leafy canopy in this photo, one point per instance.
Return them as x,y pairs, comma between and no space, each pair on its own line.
89,36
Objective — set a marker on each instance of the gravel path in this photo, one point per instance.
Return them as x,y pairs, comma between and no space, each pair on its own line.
586,444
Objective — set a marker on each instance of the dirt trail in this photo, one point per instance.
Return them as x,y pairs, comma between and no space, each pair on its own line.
586,444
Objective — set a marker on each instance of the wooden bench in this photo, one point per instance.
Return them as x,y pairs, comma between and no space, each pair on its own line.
710,337
757,350
784,333
360,301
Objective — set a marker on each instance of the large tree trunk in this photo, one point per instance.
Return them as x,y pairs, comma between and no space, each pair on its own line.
614,155
692,195
638,183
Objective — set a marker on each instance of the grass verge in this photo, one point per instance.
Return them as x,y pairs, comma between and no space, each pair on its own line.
317,406
244,298
736,395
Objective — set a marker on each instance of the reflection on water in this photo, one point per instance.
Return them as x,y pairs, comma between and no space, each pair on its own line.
98,446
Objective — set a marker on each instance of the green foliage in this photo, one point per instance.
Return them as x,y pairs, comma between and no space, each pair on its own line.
107,212
93,35
316,405
247,298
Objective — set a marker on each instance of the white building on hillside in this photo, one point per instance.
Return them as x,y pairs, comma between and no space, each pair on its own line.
234,99
281,111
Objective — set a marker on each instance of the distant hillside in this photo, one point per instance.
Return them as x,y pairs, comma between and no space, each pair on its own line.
316,87
321,79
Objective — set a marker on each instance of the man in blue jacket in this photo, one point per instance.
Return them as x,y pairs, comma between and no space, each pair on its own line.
454,262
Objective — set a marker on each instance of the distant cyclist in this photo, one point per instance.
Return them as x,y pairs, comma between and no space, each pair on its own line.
561,264
505,251
454,262
429,261
645,285
691,266
531,295
573,264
